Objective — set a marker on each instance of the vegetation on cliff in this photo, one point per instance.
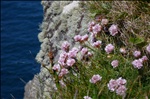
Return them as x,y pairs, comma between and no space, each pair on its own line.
112,60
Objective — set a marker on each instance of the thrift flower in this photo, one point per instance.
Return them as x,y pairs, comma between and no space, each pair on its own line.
75,49
121,81
97,44
104,21
84,38
70,62
56,67
95,78
137,53
63,72
117,85
97,28
137,64
62,58
72,53
65,46
84,51
113,30
112,85
121,90
77,38
90,25
109,48
114,63
144,58
87,97
148,48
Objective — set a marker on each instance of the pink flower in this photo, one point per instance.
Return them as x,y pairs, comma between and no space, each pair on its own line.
137,63
87,97
104,21
65,46
121,90
56,67
118,86
72,53
109,48
95,78
84,51
74,49
148,48
113,30
121,81
114,63
123,51
97,28
63,72
84,38
137,53
97,44
78,38
112,85
144,58
90,25
63,56
70,62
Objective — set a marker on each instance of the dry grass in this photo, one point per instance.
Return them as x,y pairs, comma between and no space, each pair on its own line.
133,18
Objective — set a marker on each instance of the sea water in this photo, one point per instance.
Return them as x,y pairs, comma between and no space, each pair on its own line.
20,22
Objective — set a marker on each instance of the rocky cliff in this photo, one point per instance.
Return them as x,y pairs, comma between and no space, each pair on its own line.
62,21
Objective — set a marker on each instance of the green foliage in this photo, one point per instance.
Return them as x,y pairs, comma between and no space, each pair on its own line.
132,36
138,41
78,85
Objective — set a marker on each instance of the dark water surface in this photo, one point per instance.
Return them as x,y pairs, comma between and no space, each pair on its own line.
20,22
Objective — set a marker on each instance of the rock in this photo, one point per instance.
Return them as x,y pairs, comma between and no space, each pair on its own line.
62,21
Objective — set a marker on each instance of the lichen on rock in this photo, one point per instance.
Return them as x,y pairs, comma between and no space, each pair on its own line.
58,25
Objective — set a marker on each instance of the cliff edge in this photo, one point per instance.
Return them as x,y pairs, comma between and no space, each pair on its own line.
62,21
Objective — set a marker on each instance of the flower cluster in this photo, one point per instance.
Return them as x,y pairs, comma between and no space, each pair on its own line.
138,63
115,63
56,67
95,78
65,46
63,72
113,30
137,53
66,59
109,48
94,28
97,44
69,57
117,85
79,38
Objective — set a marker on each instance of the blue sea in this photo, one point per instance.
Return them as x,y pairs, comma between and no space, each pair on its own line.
20,22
